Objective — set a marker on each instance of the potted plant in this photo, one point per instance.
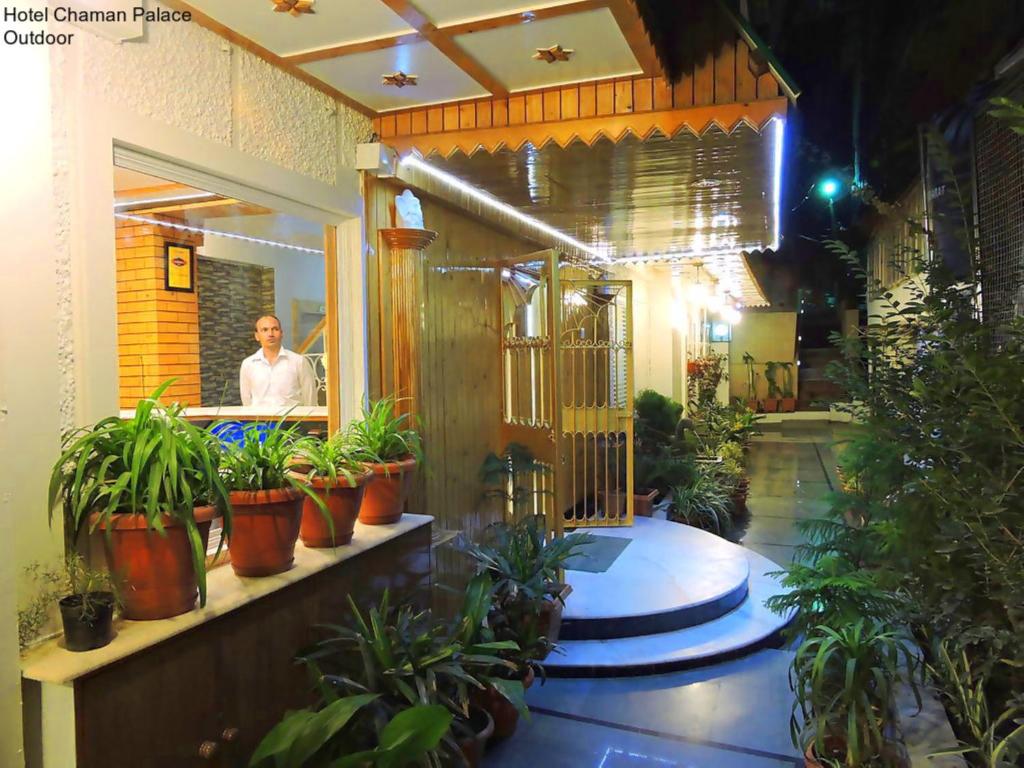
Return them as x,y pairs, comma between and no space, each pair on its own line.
733,475
525,567
771,403
266,497
393,450
87,607
788,402
845,681
504,684
86,599
751,402
151,484
407,659
339,480
703,502
340,732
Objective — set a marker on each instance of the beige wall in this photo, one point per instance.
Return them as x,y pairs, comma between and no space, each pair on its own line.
768,336
653,336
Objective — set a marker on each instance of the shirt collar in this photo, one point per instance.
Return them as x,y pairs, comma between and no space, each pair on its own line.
283,353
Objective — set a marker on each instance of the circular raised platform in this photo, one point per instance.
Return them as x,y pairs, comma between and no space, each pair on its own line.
670,576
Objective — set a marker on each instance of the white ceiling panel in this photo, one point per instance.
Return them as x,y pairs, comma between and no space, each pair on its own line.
334,22
358,76
599,48
444,12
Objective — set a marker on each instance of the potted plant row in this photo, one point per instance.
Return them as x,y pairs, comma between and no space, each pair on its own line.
153,485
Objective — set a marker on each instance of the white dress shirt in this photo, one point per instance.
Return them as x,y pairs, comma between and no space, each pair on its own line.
289,381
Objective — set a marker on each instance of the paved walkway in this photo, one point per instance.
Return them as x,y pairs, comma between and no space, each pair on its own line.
730,715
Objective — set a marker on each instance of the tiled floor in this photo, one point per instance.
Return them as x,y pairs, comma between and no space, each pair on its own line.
731,715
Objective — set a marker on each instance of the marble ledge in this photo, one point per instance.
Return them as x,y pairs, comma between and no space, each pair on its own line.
52,663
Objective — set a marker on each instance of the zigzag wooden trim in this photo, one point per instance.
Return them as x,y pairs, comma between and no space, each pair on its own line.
696,120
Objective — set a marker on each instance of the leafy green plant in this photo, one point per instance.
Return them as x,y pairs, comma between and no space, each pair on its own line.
660,470
655,419
771,368
832,592
524,566
703,503
787,379
845,681
511,478
382,436
154,464
996,743
335,736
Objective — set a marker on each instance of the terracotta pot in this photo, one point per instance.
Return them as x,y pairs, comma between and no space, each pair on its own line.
386,495
472,747
752,405
643,503
502,711
549,623
264,530
771,405
156,573
787,404
343,501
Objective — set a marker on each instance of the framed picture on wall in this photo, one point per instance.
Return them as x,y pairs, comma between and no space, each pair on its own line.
179,268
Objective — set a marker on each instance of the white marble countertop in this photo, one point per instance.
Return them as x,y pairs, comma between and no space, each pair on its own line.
52,663
248,413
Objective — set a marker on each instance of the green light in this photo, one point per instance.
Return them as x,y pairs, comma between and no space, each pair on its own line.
828,188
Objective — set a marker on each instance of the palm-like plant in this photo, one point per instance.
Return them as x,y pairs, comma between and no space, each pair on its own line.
154,464
845,681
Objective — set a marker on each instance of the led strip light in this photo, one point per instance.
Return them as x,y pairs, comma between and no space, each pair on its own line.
216,233
171,199
498,205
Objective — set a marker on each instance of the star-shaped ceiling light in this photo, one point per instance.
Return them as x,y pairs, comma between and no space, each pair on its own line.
399,79
294,7
553,54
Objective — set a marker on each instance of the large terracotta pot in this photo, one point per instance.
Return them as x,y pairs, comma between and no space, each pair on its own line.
157,577
264,530
343,500
386,495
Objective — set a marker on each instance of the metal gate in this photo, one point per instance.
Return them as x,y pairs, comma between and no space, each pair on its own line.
567,371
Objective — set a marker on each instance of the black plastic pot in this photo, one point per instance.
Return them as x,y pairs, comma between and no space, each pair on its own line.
87,628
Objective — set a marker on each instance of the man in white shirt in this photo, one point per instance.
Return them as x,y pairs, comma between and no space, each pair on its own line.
275,377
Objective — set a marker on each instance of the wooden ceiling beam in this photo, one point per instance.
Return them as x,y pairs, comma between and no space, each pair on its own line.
441,40
269,56
346,49
632,27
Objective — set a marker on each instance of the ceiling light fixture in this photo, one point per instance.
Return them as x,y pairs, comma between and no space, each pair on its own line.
215,233
497,205
294,7
553,54
399,79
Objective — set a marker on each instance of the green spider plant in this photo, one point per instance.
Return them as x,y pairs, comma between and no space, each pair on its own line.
703,502
154,464
382,436
845,681
330,459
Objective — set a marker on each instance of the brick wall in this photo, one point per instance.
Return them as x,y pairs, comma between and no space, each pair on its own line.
231,296
157,329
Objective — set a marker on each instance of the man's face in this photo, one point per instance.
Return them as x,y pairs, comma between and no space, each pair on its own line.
268,333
